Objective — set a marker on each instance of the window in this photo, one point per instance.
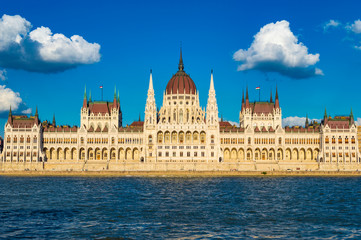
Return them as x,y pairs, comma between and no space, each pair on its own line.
159,154
195,154
150,139
181,154
340,140
174,154
28,139
188,154
212,154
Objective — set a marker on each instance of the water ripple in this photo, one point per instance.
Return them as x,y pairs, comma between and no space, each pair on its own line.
180,208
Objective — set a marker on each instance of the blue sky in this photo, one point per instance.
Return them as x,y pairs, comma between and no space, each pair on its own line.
136,36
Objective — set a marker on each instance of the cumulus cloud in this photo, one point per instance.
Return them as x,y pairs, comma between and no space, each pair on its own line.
358,122
26,111
40,50
276,49
296,121
3,76
355,26
331,23
9,98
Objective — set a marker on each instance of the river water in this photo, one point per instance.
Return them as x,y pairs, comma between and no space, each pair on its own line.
185,208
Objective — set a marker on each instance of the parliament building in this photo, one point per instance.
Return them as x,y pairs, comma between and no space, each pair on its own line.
181,135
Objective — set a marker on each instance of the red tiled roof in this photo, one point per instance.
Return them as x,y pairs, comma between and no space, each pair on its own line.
137,124
225,124
23,121
338,124
182,83
262,107
257,129
100,107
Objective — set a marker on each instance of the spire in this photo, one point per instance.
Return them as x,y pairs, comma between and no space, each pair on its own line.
211,88
54,123
306,123
180,65
115,98
36,116
85,101
247,99
10,118
277,103
271,100
150,81
325,117
351,117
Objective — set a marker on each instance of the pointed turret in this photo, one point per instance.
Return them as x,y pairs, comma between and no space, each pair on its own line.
85,101
212,107
306,123
211,87
277,103
54,123
271,100
36,116
150,118
10,118
325,117
180,65
151,82
247,99
115,98
243,105
351,118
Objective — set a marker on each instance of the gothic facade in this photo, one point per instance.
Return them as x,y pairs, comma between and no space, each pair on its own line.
180,132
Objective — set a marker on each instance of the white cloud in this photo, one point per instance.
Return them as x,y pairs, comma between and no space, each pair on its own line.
356,26
12,30
9,98
358,122
276,49
40,50
26,111
296,121
331,23
3,76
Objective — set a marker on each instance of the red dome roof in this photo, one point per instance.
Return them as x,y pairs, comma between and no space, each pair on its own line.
181,82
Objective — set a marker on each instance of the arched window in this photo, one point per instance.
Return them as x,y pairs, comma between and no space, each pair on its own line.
21,139
279,141
340,139
28,139
181,116
327,140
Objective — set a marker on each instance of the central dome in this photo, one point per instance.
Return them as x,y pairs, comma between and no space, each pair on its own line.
181,82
